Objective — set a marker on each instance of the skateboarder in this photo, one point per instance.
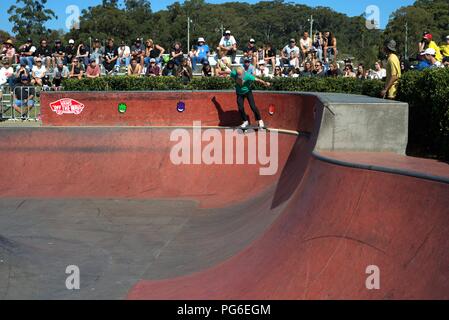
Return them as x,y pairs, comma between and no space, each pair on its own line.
243,83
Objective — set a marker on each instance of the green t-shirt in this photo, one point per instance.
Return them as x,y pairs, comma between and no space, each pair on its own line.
248,80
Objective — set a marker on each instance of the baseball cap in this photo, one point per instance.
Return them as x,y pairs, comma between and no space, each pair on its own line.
152,60
71,41
30,40
429,51
201,40
252,40
292,40
227,32
262,62
447,37
206,63
428,36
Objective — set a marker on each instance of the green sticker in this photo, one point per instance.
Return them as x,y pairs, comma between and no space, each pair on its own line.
122,107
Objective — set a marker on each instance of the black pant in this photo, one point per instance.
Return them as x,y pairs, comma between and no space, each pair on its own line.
252,103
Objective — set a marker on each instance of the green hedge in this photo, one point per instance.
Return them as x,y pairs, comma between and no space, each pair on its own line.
125,83
428,96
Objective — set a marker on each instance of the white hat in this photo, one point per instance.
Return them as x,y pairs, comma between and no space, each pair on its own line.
252,40
71,41
262,62
152,60
227,32
429,51
201,40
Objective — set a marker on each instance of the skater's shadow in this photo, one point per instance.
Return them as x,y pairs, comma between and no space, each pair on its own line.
227,118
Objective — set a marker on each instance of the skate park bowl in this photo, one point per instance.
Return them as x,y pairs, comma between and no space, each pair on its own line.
95,186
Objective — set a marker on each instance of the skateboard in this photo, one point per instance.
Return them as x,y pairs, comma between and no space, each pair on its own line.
253,128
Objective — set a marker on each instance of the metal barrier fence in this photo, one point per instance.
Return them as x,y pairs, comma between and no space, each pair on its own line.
16,105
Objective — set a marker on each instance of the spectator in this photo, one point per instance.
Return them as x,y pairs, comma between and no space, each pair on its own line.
269,54
278,72
319,70
427,42
24,96
38,73
348,71
330,47
248,67
444,48
70,52
223,67
97,52
250,52
393,70
176,54
318,44
200,52
46,83
153,69
446,62
262,70
138,52
169,70
184,71
134,69
228,46
26,53
44,53
58,53
153,51
361,72
60,73
290,54
308,69
305,44
379,73
123,56
207,70
8,52
430,56
93,69
6,74
22,70
82,53
76,69
334,70
110,56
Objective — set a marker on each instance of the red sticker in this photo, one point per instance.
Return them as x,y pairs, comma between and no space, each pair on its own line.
67,106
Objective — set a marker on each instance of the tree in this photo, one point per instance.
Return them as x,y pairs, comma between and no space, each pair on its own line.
29,18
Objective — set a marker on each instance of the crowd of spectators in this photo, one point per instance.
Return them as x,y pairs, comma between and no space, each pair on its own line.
46,67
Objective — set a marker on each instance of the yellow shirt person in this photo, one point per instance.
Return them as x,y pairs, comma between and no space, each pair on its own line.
393,71
444,48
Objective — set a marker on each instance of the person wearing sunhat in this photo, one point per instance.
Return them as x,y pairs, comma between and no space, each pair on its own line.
428,42
200,52
8,51
393,70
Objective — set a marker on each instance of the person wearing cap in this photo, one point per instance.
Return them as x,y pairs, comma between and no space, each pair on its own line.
8,51
444,48
250,52
38,72
138,52
169,69
262,70
26,52
153,69
70,52
153,51
97,52
58,53
290,54
427,42
393,70
82,53
60,72
429,55
243,84
93,69
110,56
228,46
24,95
124,56
200,52
22,70
248,66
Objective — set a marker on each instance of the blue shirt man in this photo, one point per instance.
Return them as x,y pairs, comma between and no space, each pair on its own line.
201,52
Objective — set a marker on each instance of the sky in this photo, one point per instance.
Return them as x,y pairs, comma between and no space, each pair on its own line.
351,8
